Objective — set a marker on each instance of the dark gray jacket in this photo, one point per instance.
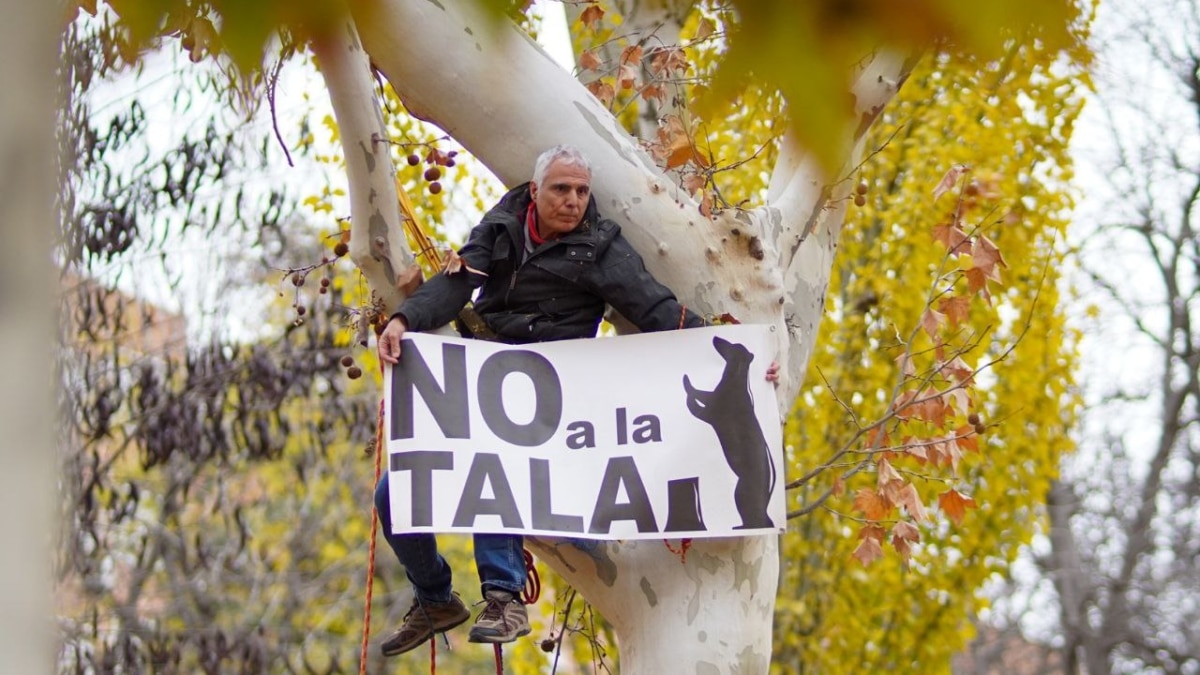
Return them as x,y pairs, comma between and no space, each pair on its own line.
557,293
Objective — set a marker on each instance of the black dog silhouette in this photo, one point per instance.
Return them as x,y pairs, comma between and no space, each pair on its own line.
729,409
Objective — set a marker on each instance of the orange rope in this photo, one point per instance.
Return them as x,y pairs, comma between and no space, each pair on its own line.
366,638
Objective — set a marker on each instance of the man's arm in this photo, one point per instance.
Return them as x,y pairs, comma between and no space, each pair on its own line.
437,301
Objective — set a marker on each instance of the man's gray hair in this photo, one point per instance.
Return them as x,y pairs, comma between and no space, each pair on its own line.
567,154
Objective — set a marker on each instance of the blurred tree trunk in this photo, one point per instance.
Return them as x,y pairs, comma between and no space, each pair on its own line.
27,45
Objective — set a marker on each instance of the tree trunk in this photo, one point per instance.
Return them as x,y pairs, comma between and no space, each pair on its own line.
27,38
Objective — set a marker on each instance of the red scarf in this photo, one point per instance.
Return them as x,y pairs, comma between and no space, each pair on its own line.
531,223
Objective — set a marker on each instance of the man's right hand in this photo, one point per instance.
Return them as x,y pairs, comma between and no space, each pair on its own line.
389,340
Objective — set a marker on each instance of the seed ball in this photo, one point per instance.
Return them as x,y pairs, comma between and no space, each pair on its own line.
325,282
860,200
413,160
979,429
297,279
452,153
323,290
347,361
547,645
354,372
972,189
973,419
861,188
433,173
340,249
435,187
301,309
449,163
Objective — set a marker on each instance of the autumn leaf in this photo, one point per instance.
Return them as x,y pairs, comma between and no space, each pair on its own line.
872,504
868,551
706,28
931,322
955,505
454,264
591,16
911,501
956,308
654,91
977,283
589,61
886,475
870,546
676,145
956,397
693,182
602,90
966,438
951,236
950,179
987,257
904,535
905,363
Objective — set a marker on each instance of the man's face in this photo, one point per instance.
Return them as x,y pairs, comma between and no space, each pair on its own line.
561,199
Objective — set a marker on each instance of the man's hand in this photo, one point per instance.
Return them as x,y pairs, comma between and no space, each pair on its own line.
773,373
389,340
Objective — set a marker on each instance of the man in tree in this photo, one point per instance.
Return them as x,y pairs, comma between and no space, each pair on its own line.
545,263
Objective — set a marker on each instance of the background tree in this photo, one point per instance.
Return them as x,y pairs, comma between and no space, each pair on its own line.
1124,538
770,264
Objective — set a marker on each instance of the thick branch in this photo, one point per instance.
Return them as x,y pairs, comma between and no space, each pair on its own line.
377,243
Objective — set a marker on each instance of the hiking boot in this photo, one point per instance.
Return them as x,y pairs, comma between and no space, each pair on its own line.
502,620
422,621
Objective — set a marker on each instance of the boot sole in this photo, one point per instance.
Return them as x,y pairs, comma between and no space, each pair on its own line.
498,639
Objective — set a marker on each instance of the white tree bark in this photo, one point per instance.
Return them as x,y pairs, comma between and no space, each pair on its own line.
499,95
27,311
377,243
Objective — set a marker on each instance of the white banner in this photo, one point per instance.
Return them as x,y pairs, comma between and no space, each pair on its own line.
661,435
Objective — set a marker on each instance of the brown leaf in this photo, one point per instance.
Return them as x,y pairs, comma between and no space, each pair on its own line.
955,505
589,61
977,283
706,28
453,264
987,257
966,438
950,179
932,322
951,236
869,548
693,182
408,280
632,55
602,90
627,75
956,308
654,91
911,501
873,505
591,16
904,535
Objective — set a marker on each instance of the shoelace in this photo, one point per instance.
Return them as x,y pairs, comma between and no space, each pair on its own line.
494,611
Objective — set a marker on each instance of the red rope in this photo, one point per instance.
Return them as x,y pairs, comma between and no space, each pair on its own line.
366,638
499,659
533,582
684,545
433,655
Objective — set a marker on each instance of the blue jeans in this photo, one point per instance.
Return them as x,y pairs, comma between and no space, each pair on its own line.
499,558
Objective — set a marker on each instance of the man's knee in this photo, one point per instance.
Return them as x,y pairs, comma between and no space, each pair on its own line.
381,496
